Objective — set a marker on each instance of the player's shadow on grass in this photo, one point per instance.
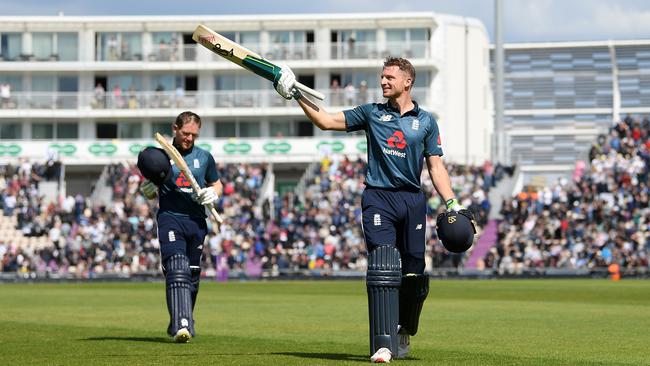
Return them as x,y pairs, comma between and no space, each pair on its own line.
130,339
324,356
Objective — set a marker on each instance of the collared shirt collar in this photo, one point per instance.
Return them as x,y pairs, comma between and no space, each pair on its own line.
415,111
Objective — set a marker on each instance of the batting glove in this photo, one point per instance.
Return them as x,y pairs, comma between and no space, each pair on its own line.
285,83
207,196
453,205
149,189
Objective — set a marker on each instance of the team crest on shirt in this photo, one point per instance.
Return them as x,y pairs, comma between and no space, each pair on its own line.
386,118
415,124
196,163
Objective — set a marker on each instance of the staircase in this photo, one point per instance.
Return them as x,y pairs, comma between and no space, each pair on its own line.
488,238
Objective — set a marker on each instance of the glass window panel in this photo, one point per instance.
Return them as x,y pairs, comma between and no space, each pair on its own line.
280,129
248,82
42,46
130,130
68,46
131,47
11,131
249,129
395,35
225,82
161,127
68,83
225,129
67,131
280,37
11,46
124,81
43,83
15,82
166,82
251,39
419,34
42,131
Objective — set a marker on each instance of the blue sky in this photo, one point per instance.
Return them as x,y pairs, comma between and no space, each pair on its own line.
524,20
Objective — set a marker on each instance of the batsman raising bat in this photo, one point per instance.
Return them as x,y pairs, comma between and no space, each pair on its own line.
181,218
401,137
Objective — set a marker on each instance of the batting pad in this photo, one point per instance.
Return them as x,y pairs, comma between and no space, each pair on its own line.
383,282
179,296
412,293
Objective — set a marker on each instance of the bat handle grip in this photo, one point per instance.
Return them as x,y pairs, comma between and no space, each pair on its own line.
215,214
304,88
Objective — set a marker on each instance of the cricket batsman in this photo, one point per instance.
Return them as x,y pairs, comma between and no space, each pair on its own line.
400,136
181,218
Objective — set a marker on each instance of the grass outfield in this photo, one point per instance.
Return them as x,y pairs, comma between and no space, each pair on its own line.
499,322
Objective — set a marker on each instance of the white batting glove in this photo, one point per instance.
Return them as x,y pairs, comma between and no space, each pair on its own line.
207,196
149,189
453,205
285,85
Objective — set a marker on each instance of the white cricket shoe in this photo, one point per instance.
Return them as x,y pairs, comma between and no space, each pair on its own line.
383,355
182,336
403,343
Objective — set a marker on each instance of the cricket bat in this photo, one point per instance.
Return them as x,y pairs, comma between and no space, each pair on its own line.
243,57
177,158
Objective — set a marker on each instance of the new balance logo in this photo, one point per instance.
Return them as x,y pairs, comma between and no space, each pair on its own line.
386,118
376,220
419,227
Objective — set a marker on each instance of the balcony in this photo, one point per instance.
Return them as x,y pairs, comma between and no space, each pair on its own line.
291,51
179,53
371,50
267,98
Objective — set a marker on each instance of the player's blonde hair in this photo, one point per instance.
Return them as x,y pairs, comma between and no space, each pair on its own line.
403,64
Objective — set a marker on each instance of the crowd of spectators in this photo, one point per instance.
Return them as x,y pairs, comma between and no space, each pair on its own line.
599,218
317,230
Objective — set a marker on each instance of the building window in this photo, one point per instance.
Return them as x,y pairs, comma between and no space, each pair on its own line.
164,128
408,43
11,46
125,46
166,46
11,131
55,46
291,45
130,130
249,129
225,129
354,44
67,131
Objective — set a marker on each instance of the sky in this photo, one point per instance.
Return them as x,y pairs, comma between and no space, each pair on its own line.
524,20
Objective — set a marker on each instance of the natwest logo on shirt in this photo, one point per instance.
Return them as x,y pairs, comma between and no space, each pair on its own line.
396,141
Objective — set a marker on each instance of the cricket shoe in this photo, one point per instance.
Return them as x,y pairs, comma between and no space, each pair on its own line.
403,343
383,355
182,336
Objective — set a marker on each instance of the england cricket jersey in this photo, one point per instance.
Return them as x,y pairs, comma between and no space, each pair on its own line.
176,193
397,144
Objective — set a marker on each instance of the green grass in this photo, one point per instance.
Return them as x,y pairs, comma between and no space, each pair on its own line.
519,322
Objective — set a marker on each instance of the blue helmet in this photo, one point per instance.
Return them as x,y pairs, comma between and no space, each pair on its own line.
154,165
456,230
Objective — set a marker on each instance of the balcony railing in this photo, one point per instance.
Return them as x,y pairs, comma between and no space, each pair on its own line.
363,50
167,53
291,51
266,98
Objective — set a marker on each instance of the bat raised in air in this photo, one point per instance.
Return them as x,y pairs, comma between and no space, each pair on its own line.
177,158
243,57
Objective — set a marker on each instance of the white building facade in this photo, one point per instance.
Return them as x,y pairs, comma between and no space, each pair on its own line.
96,88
